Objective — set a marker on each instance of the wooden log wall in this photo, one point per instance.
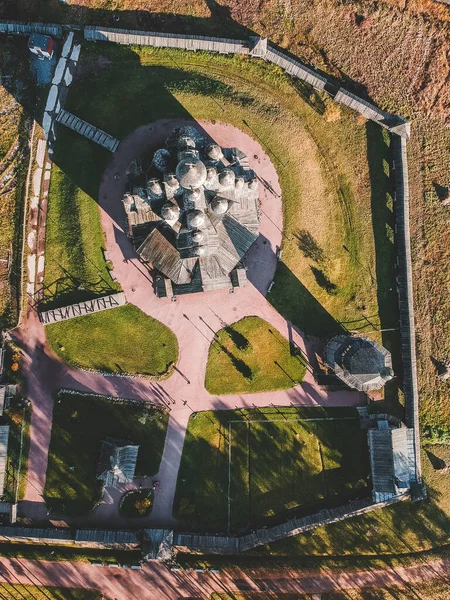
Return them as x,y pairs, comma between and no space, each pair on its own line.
166,40
87,130
72,311
19,28
405,293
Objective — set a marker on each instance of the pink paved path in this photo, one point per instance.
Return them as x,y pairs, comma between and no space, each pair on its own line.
156,582
194,319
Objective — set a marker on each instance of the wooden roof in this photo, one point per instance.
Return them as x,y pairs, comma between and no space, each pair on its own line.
164,256
117,462
390,459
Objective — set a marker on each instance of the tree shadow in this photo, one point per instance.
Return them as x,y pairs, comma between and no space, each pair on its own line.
296,304
437,463
238,338
442,192
309,247
324,282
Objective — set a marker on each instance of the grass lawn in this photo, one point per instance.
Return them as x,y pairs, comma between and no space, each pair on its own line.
32,592
422,590
68,553
279,465
17,93
80,424
118,340
327,202
252,356
15,417
74,237
394,532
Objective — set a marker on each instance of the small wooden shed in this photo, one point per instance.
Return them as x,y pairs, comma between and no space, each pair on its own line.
41,45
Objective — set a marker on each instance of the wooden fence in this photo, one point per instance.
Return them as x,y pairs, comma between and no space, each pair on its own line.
166,40
228,544
19,28
84,538
89,131
254,46
296,68
88,307
405,293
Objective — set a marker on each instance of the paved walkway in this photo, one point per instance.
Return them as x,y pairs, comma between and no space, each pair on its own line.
156,582
194,318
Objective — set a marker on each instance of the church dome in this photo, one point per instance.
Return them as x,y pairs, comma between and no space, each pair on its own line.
191,173
200,250
186,141
226,178
196,219
171,180
219,206
197,237
170,211
214,152
161,159
193,195
154,186
239,183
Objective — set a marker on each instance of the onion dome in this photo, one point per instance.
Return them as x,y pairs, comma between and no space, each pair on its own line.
193,195
211,177
197,237
226,178
170,211
214,152
188,131
253,184
191,173
219,206
171,180
154,186
239,183
196,219
200,250
190,153
185,141
161,159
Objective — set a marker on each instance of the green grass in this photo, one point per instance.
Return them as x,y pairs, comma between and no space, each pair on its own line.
423,590
80,424
278,468
119,340
32,592
327,187
252,356
16,99
15,416
68,553
74,237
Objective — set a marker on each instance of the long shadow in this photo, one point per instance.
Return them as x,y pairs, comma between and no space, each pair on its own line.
379,158
218,22
297,305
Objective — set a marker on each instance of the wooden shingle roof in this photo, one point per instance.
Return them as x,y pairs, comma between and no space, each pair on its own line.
117,462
